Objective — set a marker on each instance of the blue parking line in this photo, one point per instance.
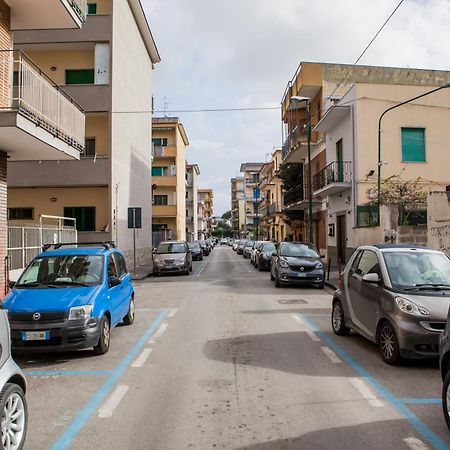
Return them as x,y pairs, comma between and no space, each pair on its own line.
421,401
396,403
83,416
43,373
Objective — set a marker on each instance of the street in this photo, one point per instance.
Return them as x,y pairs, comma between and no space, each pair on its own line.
223,359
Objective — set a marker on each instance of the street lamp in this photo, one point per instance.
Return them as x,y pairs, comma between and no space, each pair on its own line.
307,101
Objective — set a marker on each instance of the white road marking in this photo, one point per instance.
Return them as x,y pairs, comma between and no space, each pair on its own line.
172,312
366,392
162,328
310,333
140,360
313,336
415,444
111,403
298,319
331,355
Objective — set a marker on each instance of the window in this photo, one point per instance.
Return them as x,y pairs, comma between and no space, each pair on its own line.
85,216
80,76
255,220
160,200
159,226
368,263
255,177
255,207
112,271
20,213
92,8
413,144
120,264
89,148
367,216
159,142
160,171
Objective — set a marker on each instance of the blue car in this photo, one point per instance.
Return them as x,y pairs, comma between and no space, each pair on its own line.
70,298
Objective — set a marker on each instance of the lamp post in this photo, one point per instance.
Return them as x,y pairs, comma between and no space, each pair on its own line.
380,163
307,101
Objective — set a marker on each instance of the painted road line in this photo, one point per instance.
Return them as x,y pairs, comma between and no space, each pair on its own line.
111,403
364,389
298,319
313,336
44,373
159,332
415,444
421,401
69,434
140,360
421,427
331,355
172,312
310,333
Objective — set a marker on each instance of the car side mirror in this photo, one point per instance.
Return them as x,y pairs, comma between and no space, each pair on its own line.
11,284
322,256
274,254
114,281
371,278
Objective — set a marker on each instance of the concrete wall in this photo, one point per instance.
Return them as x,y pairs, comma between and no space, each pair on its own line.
181,186
438,221
131,76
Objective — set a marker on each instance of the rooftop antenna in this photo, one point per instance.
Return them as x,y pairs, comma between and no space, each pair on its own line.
165,105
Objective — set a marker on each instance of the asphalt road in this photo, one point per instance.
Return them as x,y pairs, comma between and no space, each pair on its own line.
223,359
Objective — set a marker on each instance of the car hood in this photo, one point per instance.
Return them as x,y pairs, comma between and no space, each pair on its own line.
49,299
437,305
170,256
268,254
300,261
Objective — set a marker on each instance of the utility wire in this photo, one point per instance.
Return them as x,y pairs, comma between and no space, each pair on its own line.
270,108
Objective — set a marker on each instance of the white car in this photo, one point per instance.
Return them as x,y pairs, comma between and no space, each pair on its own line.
13,405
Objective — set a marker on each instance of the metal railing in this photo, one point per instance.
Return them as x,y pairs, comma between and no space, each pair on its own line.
294,195
80,8
25,88
335,172
275,208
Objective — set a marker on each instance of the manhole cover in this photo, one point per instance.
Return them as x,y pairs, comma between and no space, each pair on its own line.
294,301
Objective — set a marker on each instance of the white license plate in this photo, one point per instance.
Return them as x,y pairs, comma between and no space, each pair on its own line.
35,335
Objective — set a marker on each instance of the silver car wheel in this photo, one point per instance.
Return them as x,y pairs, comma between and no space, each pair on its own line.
13,422
448,400
387,340
132,309
337,317
106,333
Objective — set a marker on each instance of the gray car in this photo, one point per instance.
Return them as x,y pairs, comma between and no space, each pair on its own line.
13,405
172,257
396,296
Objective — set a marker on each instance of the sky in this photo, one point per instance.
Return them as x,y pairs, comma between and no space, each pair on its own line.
242,53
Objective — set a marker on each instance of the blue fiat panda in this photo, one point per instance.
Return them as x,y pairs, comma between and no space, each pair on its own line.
70,298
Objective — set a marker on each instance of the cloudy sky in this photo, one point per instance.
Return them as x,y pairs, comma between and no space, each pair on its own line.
242,53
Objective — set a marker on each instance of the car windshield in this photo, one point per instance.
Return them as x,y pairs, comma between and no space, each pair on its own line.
298,250
194,245
424,270
269,247
171,247
249,243
63,270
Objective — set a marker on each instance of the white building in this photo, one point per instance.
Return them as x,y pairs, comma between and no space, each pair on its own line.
192,173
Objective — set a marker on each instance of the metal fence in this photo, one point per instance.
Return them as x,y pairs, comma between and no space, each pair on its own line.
163,235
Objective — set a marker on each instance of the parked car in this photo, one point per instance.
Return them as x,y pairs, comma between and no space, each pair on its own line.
230,242
13,404
224,241
236,244
297,263
397,297
444,364
210,244
263,256
247,250
172,257
70,298
240,247
196,250
255,248
205,247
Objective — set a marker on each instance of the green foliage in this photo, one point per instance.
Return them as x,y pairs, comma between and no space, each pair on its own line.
226,216
290,174
222,230
404,193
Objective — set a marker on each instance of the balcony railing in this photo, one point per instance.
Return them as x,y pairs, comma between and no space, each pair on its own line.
294,195
25,88
80,8
335,172
274,208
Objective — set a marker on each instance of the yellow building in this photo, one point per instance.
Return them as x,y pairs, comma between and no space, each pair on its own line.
273,222
205,212
169,178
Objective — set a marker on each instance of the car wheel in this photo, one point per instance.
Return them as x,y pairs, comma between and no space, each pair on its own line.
105,336
277,281
388,344
129,318
338,320
14,417
446,398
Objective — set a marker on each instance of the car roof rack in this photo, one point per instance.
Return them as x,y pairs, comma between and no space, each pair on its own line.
105,244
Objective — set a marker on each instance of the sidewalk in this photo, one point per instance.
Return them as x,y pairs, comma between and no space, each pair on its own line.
142,272
334,277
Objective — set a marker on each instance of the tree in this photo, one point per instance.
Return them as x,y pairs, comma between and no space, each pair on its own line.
222,230
290,174
226,215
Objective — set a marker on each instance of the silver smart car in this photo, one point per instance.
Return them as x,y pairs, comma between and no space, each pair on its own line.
13,405
396,296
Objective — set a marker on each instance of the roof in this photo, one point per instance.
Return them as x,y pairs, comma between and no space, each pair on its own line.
76,251
400,246
170,122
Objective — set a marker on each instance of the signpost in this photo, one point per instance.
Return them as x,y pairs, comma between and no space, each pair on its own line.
257,192
134,221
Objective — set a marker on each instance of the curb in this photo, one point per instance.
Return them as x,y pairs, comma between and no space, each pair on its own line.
330,285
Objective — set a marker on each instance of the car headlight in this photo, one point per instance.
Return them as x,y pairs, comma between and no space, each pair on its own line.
284,264
410,307
318,265
80,312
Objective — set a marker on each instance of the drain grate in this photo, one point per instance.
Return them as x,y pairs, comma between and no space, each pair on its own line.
295,301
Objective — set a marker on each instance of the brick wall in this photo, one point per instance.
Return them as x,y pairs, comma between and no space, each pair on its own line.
5,44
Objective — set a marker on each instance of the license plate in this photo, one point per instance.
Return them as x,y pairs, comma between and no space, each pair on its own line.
35,335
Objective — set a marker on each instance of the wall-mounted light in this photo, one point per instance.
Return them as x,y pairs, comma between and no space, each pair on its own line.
53,199
53,68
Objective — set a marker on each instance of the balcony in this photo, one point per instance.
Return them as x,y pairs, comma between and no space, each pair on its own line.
168,180
296,199
333,179
165,152
164,210
275,208
47,14
38,120
294,149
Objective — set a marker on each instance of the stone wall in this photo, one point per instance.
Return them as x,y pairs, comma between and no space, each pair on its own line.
438,220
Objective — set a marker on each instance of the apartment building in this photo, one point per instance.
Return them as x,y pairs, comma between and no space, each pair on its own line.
169,178
273,222
237,204
107,68
205,203
192,173
37,120
252,196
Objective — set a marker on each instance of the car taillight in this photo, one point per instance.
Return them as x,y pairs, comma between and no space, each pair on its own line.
340,280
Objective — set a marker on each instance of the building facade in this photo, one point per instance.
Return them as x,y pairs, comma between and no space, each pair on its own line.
252,197
192,173
237,204
169,178
111,80
205,204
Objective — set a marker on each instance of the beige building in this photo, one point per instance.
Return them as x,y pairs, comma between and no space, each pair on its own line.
205,203
37,120
169,178
111,80
237,204
273,224
192,173
252,200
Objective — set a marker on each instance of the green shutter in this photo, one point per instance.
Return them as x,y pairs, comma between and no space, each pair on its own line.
85,216
157,171
413,144
80,76
92,8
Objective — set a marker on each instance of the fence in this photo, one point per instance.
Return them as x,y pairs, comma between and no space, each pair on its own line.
163,235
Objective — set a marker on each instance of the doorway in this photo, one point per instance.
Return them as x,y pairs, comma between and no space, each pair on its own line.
341,238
